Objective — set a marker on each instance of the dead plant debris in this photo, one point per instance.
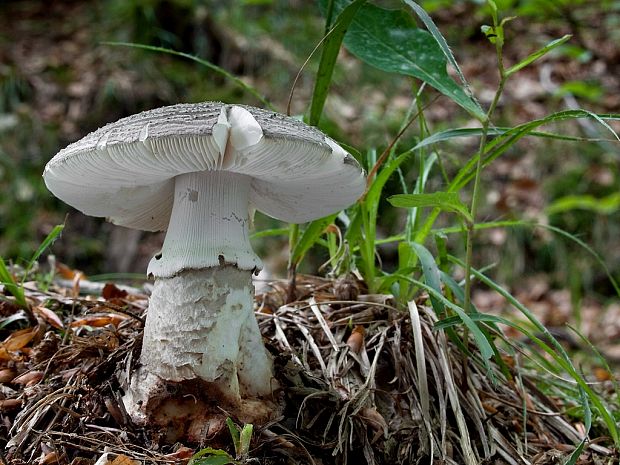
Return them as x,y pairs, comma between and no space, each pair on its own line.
362,382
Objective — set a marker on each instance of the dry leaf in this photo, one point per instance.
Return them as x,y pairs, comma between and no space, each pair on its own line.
9,404
19,339
29,378
601,374
49,316
110,291
7,375
124,460
182,453
356,339
48,459
98,321
68,273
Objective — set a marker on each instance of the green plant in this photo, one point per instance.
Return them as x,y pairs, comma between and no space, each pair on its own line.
15,286
241,437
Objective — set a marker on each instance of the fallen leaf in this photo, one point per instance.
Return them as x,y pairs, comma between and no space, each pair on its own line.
356,339
124,460
29,378
182,453
110,291
49,316
9,404
98,321
19,339
48,459
7,375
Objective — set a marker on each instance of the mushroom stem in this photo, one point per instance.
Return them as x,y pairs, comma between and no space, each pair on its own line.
208,225
201,325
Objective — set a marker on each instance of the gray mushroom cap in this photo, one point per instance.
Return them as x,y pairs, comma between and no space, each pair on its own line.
125,170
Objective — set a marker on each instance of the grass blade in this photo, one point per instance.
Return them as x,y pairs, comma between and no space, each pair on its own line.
537,54
329,55
245,86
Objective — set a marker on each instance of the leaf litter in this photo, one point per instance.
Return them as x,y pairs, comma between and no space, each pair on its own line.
362,382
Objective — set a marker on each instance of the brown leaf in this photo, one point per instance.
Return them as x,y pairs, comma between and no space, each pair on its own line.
98,321
9,404
68,273
110,291
49,316
356,339
7,375
48,459
29,378
182,453
19,339
601,374
123,460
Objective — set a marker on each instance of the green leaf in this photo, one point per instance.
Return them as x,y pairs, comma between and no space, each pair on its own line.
431,274
47,242
245,438
389,40
447,201
234,434
441,41
310,236
329,55
6,278
211,456
537,54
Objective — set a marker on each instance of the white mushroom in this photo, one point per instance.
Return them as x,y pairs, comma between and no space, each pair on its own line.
196,170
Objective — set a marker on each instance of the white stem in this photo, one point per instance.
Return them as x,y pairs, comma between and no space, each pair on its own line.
201,325
208,225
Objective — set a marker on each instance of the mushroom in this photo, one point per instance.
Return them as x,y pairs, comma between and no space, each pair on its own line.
196,170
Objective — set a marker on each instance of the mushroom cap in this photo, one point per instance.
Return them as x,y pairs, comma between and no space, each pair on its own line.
125,170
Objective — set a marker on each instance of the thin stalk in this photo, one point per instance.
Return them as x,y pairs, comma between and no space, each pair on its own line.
293,238
479,163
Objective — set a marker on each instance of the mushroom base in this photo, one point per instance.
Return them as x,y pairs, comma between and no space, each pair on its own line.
193,411
201,341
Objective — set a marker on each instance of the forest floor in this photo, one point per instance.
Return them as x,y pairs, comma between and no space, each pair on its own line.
351,388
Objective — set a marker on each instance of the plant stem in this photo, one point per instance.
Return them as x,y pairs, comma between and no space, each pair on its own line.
476,192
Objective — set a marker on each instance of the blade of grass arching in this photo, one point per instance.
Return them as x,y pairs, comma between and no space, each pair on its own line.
556,351
501,144
47,242
458,230
599,357
587,248
207,64
329,55
537,54
309,237
450,134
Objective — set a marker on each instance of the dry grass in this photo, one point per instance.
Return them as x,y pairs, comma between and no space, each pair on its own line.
362,382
